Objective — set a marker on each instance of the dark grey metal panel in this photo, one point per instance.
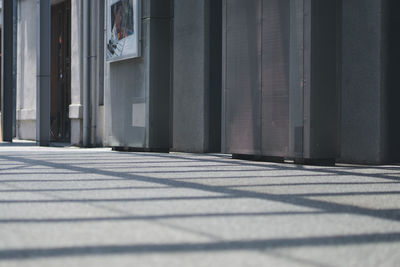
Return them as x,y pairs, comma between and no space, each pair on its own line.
362,81
43,74
392,97
322,120
15,33
214,42
7,75
280,95
296,86
370,126
242,85
224,54
157,8
160,83
275,77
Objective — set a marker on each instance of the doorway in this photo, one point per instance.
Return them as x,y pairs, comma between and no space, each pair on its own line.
60,125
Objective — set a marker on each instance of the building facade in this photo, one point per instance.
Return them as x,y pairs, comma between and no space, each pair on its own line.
270,79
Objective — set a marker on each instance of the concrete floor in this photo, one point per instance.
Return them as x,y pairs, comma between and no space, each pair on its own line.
95,207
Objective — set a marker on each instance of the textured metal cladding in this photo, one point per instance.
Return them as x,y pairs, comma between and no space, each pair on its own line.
242,90
323,94
159,90
370,65
361,80
296,86
275,77
275,80
257,77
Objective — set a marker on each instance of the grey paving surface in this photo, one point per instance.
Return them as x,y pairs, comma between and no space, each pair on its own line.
95,207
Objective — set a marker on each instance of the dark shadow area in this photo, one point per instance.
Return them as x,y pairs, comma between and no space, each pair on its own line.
392,97
157,217
55,180
225,158
17,144
163,167
261,245
375,193
122,188
13,168
341,171
197,171
60,144
92,200
36,173
309,184
271,177
129,161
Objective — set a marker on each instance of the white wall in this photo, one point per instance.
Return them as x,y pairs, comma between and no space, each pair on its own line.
26,70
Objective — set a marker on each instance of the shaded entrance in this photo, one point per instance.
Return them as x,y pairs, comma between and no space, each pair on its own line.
60,126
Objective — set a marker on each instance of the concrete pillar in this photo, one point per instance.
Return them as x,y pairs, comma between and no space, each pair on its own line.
137,91
197,75
76,108
43,73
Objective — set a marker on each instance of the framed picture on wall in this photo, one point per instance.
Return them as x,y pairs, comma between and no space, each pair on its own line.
123,29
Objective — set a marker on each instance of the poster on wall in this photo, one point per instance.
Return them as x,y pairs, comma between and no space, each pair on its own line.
123,25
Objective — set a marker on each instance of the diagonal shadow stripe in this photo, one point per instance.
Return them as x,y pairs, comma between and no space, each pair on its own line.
337,194
255,245
83,189
342,171
156,217
308,184
85,200
288,199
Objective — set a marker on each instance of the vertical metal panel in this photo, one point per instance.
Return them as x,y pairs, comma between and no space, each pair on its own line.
280,95
362,80
323,95
296,87
242,77
307,18
393,82
275,77
160,83
14,101
43,74
223,78
7,75
214,43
